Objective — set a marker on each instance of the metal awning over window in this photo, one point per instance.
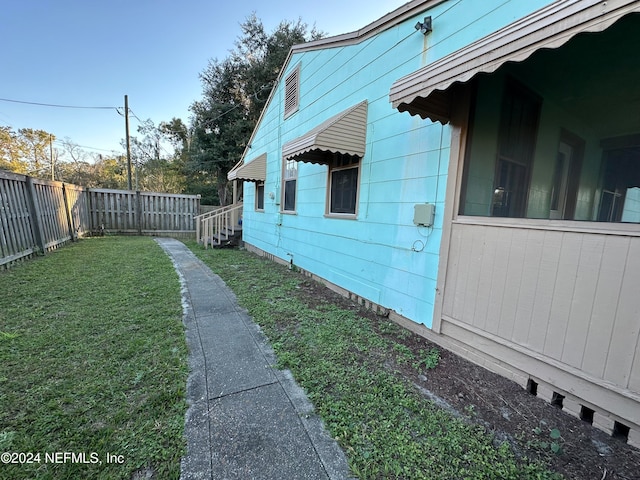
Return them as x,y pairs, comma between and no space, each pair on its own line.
427,92
253,171
343,133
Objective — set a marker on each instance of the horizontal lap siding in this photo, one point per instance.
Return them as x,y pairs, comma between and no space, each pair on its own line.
380,254
571,297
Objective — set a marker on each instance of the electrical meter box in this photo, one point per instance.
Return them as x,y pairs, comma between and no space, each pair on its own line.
424,214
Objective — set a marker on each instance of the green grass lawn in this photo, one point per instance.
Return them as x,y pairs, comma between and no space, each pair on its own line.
385,426
93,363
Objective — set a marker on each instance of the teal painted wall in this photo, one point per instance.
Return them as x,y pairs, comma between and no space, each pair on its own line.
381,255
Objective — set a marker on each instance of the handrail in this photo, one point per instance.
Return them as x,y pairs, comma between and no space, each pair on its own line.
216,211
220,222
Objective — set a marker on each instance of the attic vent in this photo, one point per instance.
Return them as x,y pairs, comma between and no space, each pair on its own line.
292,92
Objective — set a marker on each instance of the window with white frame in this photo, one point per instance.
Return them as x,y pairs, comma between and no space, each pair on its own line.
260,196
289,180
343,184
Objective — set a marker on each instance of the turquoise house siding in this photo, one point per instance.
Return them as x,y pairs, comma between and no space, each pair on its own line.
380,255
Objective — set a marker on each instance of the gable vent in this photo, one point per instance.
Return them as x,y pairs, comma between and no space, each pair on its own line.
291,92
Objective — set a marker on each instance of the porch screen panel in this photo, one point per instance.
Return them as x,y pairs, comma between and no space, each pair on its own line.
556,147
500,152
620,193
517,138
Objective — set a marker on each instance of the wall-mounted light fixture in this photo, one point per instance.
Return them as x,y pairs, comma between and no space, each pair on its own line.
424,27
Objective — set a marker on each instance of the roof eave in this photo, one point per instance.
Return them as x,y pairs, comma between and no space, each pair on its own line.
427,91
391,19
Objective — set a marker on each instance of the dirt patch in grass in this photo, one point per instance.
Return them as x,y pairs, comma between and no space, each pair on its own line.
532,426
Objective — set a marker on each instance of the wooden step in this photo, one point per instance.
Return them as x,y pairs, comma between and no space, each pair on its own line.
229,238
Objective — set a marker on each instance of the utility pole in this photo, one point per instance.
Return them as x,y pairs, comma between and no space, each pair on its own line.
126,125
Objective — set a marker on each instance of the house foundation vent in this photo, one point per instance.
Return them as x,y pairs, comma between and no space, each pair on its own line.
620,431
586,415
557,400
532,387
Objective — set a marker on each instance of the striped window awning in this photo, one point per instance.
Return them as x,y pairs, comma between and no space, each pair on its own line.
427,91
252,171
343,133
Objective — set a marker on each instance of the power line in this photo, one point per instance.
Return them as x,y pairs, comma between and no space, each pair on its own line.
134,115
210,121
56,105
117,109
62,142
159,145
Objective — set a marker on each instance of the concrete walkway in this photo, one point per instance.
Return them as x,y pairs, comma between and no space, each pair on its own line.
246,420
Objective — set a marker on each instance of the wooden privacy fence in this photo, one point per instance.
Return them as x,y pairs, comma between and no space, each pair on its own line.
143,213
38,215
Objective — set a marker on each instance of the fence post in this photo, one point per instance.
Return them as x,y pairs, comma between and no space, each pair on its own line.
86,195
195,214
36,215
96,223
139,212
67,209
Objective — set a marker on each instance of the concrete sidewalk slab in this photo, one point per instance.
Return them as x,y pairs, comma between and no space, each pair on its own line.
246,419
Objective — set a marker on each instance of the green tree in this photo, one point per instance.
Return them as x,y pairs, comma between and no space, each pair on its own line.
196,182
91,170
73,164
12,152
235,91
177,133
109,172
27,151
37,145
156,168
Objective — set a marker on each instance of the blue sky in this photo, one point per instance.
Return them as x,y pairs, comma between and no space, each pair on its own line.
93,52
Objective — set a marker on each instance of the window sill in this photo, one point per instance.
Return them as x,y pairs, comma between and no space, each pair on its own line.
342,216
602,228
